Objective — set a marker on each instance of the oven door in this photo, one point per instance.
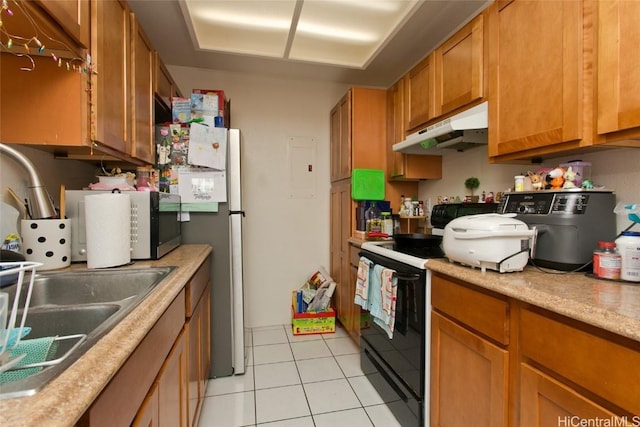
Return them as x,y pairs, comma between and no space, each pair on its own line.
400,361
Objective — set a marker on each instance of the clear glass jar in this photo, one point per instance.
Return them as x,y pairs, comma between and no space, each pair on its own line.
373,217
143,177
606,261
387,223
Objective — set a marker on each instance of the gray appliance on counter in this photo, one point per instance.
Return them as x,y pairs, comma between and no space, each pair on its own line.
569,223
223,231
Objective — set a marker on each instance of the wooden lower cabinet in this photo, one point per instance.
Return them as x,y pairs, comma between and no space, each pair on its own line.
172,387
498,361
598,364
547,402
469,377
164,380
120,401
199,360
341,223
148,415
166,403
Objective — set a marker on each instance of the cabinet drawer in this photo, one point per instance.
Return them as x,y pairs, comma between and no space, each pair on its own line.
584,356
354,257
482,312
196,286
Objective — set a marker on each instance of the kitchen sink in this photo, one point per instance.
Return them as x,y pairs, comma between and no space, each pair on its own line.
78,307
89,286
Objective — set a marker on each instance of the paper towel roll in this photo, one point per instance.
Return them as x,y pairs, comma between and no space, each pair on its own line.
108,228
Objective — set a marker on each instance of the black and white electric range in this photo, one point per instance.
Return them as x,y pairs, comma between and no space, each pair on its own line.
398,367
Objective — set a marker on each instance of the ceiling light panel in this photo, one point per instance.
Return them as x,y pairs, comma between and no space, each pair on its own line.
254,27
339,32
347,32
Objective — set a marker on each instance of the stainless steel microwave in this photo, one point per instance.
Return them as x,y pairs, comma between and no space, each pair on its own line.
155,223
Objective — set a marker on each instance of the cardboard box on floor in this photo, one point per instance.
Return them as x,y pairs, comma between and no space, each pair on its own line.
321,322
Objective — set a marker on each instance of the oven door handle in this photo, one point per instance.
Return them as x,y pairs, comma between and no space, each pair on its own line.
409,277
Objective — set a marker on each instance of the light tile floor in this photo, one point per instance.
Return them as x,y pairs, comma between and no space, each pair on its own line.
298,381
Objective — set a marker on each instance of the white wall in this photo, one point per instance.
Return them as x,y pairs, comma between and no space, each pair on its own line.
285,239
73,174
616,169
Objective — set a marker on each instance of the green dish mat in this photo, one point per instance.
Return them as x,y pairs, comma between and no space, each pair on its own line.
37,350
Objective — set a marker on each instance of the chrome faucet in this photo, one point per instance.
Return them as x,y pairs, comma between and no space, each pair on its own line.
38,200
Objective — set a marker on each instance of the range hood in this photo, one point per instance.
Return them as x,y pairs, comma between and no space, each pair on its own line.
459,132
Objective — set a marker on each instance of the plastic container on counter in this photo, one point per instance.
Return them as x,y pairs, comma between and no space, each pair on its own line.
582,169
606,261
629,248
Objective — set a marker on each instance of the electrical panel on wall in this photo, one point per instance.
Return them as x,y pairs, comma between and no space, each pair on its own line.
302,166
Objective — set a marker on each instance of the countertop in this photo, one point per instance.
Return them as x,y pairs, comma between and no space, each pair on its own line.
610,305
63,401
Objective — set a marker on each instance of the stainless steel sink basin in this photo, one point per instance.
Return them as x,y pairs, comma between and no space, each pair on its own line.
79,306
89,286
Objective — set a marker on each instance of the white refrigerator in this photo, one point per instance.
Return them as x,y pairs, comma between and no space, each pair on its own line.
236,219
223,230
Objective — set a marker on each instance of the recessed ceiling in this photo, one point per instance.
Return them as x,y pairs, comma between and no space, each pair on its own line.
313,52
337,32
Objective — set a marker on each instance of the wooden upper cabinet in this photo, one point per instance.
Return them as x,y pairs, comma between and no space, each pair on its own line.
419,93
73,17
618,93
141,89
358,132
459,68
163,85
340,123
536,76
395,128
110,86
400,166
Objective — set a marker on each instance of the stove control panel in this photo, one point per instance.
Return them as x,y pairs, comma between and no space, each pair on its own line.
545,203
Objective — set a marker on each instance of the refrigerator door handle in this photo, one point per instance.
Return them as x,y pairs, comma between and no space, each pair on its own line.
236,212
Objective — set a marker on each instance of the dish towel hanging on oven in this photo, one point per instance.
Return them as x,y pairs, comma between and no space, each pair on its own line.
383,298
362,283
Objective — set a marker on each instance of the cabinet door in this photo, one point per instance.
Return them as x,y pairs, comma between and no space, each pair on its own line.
468,377
110,90
535,66
400,166
341,207
163,85
395,128
199,359
459,70
341,139
142,141
419,89
547,402
193,331
73,17
172,387
205,343
618,64
149,411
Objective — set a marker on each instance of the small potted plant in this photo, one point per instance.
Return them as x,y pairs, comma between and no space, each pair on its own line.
472,184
